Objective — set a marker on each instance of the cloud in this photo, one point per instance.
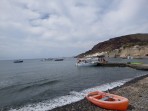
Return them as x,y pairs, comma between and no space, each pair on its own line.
53,28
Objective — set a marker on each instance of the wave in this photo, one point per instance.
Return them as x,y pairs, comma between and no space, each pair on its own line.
22,87
73,96
40,84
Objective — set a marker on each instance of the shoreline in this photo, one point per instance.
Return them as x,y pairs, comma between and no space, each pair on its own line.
136,90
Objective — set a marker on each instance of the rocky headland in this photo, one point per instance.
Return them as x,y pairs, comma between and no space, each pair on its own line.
134,45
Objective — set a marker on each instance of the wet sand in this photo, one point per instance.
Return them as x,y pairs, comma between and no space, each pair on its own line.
135,90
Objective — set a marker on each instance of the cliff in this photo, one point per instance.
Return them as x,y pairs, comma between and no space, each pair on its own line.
128,45
135,51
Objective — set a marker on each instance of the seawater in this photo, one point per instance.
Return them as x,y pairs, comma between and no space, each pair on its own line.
39,86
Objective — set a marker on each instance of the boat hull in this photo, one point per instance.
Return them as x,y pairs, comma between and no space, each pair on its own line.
113,102
58,59
87,64
18,61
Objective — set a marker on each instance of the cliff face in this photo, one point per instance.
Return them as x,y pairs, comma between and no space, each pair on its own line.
133,51
124,42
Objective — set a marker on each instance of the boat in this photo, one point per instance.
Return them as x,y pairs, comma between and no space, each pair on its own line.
90,61
58,59
108,101
48,59
18,61
85,63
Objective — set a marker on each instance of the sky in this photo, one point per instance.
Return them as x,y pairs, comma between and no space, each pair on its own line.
65,28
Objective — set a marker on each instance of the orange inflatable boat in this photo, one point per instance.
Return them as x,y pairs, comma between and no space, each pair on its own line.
108,101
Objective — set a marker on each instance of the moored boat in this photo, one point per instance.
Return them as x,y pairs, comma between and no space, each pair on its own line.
58,59
48,59
85,63
90,61
18,61
107,100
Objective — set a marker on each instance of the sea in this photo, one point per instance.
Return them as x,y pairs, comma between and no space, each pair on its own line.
37,85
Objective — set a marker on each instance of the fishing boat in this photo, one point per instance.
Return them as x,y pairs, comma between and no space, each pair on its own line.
107,100
48,59
18,61
90,61
86,63
58,59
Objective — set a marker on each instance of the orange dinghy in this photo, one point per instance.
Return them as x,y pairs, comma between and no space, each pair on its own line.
107,100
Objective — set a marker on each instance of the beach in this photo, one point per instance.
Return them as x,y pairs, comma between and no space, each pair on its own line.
135,90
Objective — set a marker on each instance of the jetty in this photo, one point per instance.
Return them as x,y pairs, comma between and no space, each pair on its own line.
99,60
112,64
139,66
134,66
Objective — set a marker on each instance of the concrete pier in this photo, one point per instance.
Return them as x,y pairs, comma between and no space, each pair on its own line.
138,66
135,66
112,64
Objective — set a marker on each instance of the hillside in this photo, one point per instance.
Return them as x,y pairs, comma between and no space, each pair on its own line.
118,42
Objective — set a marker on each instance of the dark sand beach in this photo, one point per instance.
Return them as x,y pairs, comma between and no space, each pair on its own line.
135,90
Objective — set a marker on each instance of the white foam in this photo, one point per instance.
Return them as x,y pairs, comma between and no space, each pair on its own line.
4,83
71,98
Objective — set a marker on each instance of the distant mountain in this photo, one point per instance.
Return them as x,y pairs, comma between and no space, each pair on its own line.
118,42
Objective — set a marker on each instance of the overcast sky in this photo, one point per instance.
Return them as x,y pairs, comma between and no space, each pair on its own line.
57,28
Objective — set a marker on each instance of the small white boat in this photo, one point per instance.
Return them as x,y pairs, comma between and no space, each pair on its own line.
91,61
87,62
